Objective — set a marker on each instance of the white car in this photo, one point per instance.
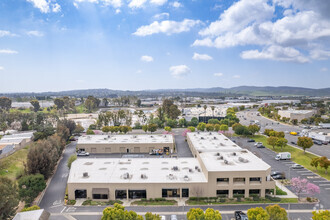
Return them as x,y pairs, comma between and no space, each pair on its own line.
257,144
82,153
297,166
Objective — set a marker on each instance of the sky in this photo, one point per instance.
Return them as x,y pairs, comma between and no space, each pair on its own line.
56,45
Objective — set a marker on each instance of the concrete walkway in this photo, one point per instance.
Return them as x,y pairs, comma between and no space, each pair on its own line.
79,202
282,187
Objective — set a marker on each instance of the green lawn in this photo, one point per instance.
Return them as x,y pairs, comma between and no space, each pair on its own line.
154,202
26,110
13,164
297,155
280,192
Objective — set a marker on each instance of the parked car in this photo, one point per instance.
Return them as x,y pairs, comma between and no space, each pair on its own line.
274,173
318,142
279,177
257,144
239,215
260,146
251,140
163,217
293,142
297,166
83,153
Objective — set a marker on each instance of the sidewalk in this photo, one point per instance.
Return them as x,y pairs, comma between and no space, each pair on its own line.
282,187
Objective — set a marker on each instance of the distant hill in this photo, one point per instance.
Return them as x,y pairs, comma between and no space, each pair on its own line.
204,92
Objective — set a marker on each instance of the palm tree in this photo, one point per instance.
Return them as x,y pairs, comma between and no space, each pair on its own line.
205,107
212,107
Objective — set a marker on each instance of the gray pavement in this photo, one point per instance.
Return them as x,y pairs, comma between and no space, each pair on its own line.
322,150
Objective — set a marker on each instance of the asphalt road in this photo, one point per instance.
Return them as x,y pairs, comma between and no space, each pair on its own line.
322,150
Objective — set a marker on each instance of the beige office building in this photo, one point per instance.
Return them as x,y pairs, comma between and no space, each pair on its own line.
296,114
219,168
100,144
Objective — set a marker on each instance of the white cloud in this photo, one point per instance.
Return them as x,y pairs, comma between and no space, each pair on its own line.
236,76
35,33
176,4
179,71
147,58
218,74
198,56
1,68
137,3
168,27
139,71
318,54
6,33
304,26
7,51
113,3
46,6
161,16
118,11
276,53
158,2
324,69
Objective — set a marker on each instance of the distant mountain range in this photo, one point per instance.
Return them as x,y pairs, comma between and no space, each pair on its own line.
204,92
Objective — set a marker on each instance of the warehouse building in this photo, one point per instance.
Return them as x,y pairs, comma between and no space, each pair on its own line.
296,114
219,168
97,144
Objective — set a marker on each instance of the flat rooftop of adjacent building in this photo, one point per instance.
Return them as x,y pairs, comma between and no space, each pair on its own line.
137,170
15,138
219,153
296,111
129,139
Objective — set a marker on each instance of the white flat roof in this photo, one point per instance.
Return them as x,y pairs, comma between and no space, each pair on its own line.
219,153
131,139
157,170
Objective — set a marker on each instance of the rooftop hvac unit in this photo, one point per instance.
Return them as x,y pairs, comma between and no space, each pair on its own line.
217,154
134,136
143,176
196,167
190,170
197,132
210,133
199,170
243,160
108,136
226,162
126,175
171,176
214,138
202,138
186,178
234,154
85,174
175,168
151,136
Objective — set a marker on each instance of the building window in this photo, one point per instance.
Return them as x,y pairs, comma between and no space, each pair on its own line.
255,179
100,196
121,194
137,194
170,193
80,194
223,193
238,191
254,192
239,180
222,180
185,192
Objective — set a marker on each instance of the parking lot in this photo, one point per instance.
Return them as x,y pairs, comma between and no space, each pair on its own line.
285,166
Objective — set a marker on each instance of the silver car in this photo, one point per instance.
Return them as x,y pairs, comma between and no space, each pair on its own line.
297,166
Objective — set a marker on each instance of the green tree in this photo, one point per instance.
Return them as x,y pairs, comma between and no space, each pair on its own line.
174,112
35,104
79,129
209,127
138,102
315,162
217,127
30,186
199,214
281,142
59,102
118,212
194,122
294,121
211,214
253,129
305,143
191,128
3,127
167,128
150,216
276,212
5,103
90,132
182,122
213,121
171,123
321,215
224,127
272,141
324,163
201,126
257,213
145,128
124,129
71,159
152,127
8,199
31,208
